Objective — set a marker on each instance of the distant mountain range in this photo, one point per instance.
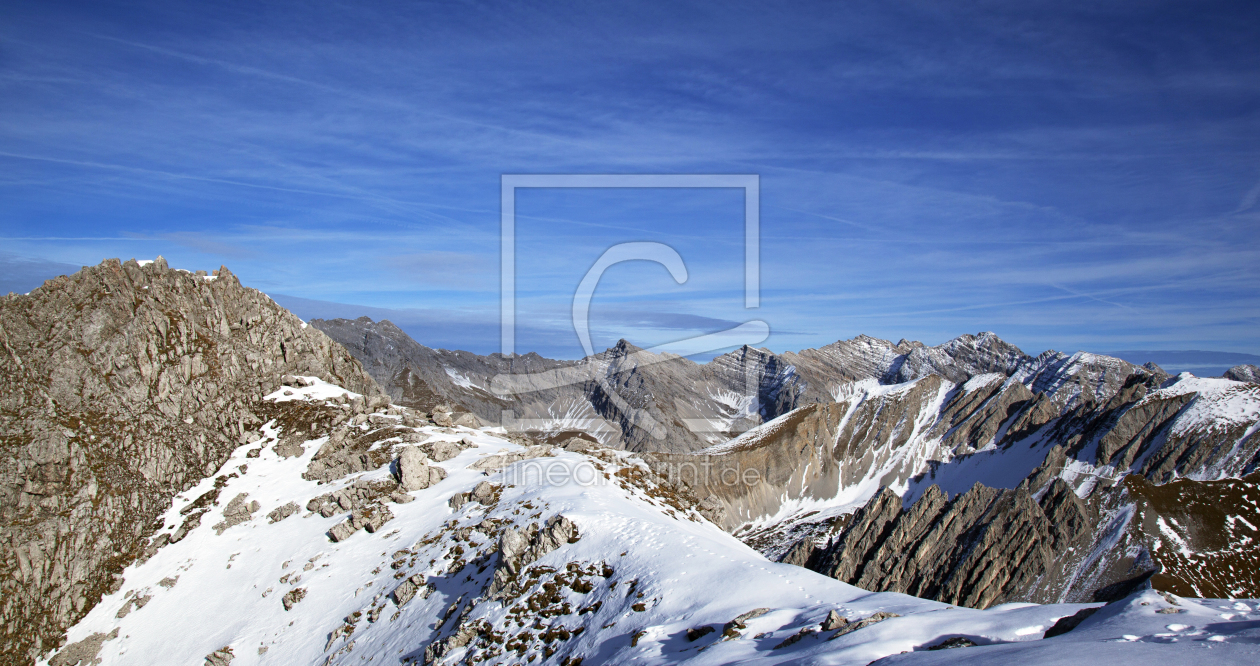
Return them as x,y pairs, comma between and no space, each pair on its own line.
1197,362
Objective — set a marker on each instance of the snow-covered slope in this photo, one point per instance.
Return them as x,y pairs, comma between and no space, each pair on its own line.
519,554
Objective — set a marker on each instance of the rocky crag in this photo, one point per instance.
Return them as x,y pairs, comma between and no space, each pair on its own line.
120,386
984,492
1244,373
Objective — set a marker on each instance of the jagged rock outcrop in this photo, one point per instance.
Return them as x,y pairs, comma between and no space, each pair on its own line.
519,548
120,386
989,546
358,495
1243,373
981,543
1080,527
981,548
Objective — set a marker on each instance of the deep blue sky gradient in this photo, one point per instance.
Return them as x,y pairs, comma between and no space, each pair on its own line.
1070,178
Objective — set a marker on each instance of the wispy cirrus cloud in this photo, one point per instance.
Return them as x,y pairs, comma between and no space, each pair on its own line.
1072,175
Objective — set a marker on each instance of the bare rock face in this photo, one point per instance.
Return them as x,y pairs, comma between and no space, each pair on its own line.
978,549
120,386
413,469
1243,373
415,472
519,548
84,651
988,545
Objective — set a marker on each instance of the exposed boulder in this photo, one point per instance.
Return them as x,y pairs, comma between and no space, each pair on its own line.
696,633
409,589
221,657
342,531
833,621
484,493
444,450
1066,624
281,512
292,597
850,627
415,472
731,629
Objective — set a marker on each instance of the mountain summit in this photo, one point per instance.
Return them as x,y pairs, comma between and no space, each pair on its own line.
120,386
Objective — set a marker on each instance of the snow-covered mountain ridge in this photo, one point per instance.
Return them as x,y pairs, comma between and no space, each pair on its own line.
821,432
638,400
950,471
607,564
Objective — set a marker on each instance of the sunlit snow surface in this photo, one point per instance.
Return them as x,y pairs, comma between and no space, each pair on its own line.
227,592
317,391
1220,402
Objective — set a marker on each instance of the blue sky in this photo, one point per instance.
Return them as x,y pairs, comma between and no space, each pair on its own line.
1070,178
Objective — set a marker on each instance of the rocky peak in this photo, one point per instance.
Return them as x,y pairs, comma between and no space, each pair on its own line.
623,348
1154,369
121,385
1243,373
